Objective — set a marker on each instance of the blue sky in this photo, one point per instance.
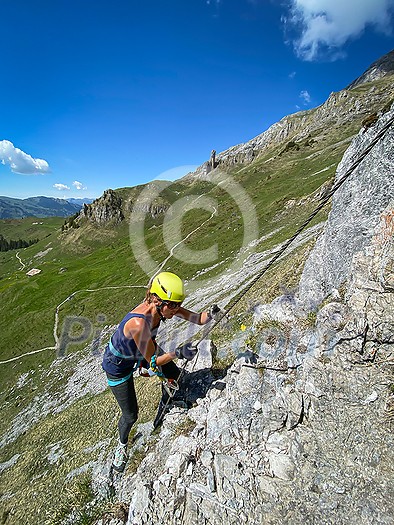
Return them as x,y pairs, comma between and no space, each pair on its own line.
98,94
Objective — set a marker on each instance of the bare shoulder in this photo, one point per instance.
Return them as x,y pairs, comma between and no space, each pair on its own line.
134,325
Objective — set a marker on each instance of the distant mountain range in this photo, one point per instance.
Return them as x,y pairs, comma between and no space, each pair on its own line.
80,202
39,207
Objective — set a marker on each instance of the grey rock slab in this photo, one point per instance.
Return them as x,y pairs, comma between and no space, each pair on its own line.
356,209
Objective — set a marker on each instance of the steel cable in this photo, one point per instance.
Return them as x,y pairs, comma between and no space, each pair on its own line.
260,274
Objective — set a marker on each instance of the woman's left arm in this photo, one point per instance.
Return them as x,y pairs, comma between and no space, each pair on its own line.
193,317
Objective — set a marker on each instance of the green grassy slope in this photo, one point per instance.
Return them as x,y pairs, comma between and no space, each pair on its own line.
278,182
282,183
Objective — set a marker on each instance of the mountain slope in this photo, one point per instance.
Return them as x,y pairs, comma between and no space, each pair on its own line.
379,69
299,430
36,207
59,426
337,119
283,181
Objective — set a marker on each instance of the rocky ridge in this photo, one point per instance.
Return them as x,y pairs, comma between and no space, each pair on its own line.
340,108
380,68
112,208
300,428
353,217
107,208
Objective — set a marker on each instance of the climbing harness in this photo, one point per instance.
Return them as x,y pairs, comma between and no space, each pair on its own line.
259,275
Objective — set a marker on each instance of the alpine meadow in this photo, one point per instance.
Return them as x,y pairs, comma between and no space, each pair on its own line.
291,367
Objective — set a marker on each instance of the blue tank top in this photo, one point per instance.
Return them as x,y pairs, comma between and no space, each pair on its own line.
121,355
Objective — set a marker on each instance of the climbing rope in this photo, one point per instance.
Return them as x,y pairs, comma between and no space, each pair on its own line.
323,202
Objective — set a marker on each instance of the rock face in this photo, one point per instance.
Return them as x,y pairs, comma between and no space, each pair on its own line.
356,211
341,108
382,67
300,430
107,208
111,208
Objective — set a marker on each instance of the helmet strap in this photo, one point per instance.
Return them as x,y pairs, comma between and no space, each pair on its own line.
158,310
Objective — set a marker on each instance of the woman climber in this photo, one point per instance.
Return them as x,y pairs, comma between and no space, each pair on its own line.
133,346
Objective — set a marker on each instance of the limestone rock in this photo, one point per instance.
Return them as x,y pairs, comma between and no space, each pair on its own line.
301,434
356,210
105,209
382,67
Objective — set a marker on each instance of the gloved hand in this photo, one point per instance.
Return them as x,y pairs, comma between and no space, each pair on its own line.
215,313
186,351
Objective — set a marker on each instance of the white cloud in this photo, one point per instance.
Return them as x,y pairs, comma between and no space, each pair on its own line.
292,74
61,187
79,186
326,25
305,96
19,161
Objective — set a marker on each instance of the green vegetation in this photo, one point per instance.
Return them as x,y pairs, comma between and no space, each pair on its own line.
79,497
5,245
30,228
311,319
71,222
185,428
52,475
96,269
134,461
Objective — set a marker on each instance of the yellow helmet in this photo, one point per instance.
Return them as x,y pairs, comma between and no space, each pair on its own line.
168,287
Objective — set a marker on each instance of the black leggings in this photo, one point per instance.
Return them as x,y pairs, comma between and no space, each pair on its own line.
127,400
